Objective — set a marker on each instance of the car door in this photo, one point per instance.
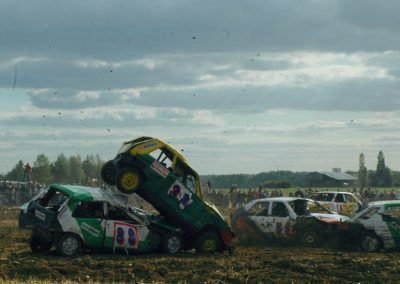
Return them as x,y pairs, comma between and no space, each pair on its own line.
123,231
280,219
259,215
350,205
338,201
391,219
91,220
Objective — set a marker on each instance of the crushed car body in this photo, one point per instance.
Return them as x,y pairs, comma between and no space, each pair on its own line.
345,203
73,218
376,227
292,218
159,174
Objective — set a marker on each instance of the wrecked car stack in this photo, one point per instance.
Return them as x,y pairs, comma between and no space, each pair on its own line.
159,174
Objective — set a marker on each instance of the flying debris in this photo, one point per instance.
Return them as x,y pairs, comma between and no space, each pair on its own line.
15,77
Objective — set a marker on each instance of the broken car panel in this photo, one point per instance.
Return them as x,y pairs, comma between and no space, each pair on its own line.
285,218
344,203
73,218
376,227
159,174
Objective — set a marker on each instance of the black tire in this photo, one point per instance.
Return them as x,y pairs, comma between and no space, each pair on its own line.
129,179
370,242
37,244
171,243
310,237
69,245
208,242
108,173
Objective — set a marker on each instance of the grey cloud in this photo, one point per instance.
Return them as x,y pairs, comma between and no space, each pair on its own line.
126,29
104,120
349,95
352,95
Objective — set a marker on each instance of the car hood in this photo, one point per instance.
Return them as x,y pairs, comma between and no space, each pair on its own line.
330,217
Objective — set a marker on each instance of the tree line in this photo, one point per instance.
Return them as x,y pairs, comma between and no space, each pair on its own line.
67,170
381,177
75,170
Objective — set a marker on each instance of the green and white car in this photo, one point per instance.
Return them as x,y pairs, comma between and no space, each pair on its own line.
377,226
73,218
160,175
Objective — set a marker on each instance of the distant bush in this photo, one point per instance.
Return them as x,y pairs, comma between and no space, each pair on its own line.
277,184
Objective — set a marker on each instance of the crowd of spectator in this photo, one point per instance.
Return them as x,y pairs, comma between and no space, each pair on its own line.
17,193
235,198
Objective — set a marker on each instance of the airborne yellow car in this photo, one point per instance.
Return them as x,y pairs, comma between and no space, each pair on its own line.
159,174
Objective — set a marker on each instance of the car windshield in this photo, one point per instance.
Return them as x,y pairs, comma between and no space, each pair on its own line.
324,196
53,199
304,207
366,213
125,147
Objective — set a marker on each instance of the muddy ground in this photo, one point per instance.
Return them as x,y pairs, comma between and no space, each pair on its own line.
251,263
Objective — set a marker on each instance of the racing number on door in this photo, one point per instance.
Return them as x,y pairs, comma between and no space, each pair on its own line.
281,219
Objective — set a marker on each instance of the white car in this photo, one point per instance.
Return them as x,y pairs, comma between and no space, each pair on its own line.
345,203
377,226
285,217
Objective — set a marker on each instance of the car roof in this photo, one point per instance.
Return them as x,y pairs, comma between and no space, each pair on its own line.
384,202
146,139
84,193
284,198
334,192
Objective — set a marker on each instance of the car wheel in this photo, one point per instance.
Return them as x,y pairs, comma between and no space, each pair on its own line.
208,242
172,243
128,180
310,237
370,242
108,173
69,245
37,244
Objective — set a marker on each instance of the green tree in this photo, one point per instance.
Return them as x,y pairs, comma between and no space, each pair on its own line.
77,174
17,172
89,167
383,176
61,170
42,170
362,172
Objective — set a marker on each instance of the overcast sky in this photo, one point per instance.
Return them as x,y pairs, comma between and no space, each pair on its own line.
239,86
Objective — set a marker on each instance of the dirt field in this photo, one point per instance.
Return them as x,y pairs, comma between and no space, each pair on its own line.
256,263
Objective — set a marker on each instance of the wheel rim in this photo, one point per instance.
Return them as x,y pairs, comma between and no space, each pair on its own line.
70,245
210,245
309,239
370,243
130,180
173,244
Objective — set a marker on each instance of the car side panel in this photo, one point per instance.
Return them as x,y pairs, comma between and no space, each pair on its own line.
124,235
